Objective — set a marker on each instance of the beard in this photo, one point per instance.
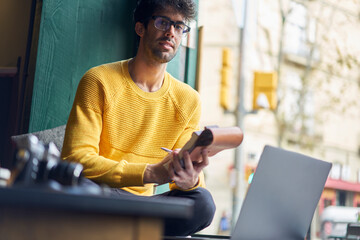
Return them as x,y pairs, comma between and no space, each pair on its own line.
159,55
162,57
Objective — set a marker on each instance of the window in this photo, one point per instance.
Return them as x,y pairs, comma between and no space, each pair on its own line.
300,31
341,198
345,173
335,171
292,97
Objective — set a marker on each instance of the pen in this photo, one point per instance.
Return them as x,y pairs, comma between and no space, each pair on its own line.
170,151
166,150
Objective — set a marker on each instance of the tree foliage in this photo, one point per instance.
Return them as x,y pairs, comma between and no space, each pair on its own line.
319,71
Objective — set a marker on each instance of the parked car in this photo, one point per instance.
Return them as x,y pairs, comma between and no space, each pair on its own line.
334,220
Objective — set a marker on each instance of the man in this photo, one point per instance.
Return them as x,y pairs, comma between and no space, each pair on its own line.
124,112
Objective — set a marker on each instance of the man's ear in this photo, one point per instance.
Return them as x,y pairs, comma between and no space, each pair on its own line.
139,29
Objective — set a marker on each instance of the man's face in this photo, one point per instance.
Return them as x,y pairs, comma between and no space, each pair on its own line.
159,45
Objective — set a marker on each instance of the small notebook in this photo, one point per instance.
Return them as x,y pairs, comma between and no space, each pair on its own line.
214,139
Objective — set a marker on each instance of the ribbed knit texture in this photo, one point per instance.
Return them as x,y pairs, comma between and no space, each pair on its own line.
115,129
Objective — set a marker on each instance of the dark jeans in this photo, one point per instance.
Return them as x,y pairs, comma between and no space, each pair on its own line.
204,209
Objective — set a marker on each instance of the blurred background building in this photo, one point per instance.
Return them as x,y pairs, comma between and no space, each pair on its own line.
311,48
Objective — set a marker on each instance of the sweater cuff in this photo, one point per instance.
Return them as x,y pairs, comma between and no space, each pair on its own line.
200,183
134,174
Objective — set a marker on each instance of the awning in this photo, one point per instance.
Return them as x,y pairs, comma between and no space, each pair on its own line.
342,185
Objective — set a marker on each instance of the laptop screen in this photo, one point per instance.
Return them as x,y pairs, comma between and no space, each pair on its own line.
282,197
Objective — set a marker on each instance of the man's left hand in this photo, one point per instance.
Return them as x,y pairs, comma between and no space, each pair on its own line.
188,176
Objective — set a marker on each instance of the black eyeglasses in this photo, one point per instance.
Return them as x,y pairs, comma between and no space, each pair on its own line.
164,23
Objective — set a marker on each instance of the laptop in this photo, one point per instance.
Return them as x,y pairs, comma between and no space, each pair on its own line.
282,197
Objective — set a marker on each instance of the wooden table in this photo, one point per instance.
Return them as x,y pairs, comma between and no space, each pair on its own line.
40,214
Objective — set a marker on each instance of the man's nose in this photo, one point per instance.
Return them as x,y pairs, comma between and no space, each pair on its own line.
170,32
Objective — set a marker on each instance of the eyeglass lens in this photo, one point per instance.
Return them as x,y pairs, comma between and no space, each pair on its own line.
164,24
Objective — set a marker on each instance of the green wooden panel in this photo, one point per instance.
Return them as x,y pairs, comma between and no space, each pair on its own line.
75,35
190,73
173,67
177,66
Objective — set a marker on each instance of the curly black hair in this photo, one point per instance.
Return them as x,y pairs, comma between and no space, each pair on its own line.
146,8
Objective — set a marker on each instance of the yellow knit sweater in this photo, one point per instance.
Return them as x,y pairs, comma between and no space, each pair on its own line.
115,129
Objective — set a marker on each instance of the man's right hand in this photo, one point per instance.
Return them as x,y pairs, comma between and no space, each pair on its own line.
158,173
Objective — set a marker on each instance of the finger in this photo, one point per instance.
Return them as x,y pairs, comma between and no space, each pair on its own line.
171,171
187,161
173,175
167,158
204,162
205,156
177,166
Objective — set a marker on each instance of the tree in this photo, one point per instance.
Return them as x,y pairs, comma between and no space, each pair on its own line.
323,59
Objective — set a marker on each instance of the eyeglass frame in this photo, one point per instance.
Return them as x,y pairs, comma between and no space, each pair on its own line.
172,23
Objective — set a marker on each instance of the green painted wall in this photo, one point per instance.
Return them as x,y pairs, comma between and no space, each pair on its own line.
76,35
190,73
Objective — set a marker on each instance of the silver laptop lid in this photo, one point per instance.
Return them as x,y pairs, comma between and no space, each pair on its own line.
283,196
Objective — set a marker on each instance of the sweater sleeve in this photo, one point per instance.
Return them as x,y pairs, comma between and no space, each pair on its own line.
82,138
